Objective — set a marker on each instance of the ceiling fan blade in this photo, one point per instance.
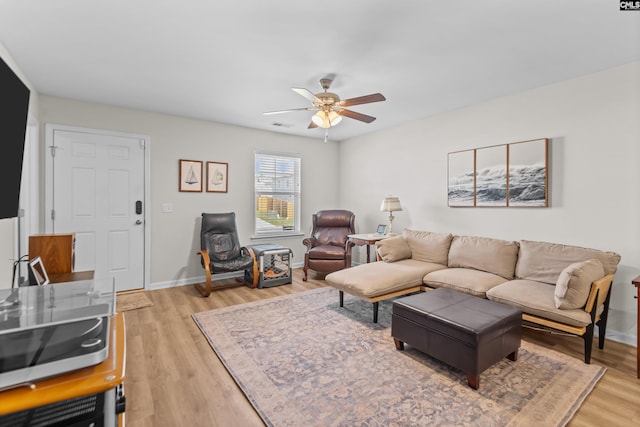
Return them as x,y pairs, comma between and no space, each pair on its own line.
288,111
306,93
312,125
374,97
356,116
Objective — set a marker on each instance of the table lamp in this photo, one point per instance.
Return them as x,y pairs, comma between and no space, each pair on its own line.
391,205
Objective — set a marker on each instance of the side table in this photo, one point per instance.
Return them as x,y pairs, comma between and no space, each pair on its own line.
366,240
636,283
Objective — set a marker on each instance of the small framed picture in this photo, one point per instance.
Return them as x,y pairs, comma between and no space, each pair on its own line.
382,229
190,176
37,273
217,177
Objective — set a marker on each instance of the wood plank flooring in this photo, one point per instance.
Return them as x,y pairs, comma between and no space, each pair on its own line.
174,378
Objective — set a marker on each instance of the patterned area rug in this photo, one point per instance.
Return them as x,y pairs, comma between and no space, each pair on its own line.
302,360
132,301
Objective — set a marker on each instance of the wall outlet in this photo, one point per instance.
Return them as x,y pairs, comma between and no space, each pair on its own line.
167,207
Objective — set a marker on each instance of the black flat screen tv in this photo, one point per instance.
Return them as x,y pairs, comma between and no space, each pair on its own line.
14,109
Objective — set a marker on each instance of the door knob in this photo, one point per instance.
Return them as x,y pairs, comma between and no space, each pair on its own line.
138,222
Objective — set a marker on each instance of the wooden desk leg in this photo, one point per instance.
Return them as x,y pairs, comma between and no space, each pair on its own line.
368,254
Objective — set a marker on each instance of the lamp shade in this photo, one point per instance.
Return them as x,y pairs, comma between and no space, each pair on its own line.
390,204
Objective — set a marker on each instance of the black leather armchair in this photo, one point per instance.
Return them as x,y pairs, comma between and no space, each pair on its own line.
327,248
220,248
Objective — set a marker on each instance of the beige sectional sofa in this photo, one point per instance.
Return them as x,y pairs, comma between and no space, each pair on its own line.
557,287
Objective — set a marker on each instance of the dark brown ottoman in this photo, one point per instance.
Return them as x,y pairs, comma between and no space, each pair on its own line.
466,332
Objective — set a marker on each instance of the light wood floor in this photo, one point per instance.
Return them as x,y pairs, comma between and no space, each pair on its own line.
174,378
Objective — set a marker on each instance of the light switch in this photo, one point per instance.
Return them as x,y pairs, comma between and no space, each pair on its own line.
167,207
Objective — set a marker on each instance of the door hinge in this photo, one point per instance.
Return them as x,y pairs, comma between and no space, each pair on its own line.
53,215
142,144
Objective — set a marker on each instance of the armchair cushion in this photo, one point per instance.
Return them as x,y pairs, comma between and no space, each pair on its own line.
221,247
327,252
331,227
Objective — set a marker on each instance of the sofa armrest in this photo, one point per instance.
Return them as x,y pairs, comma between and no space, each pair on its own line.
599,288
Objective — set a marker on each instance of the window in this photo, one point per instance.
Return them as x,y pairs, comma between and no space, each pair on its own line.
277,194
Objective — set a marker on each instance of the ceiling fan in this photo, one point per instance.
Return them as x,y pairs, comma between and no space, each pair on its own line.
330,109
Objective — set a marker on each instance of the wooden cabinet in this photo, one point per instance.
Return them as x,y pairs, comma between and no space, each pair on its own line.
56,250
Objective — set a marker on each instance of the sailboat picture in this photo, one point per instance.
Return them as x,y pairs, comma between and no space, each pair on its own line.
217,177
190,175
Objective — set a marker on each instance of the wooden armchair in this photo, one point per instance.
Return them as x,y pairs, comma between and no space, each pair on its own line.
220,248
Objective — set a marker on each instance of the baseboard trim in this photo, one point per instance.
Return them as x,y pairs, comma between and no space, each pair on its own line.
201,279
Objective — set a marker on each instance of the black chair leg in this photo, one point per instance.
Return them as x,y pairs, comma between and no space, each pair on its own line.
375,312
602,329
341,299
588,344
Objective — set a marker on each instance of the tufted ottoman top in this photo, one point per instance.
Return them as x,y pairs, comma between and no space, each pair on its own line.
462,317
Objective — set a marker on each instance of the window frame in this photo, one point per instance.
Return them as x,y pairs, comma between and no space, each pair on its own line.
296,194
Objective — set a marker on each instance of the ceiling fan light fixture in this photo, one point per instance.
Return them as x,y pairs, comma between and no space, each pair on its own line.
324,119
334,118
321,119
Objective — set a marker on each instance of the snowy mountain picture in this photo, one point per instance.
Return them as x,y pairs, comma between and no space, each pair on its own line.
503,175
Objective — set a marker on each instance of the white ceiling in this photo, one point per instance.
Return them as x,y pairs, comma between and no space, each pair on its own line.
231,61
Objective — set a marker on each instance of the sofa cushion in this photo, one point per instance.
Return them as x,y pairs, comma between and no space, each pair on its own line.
574,283
380,278
393,249
469,281
483,253
537,299
543,262
427,246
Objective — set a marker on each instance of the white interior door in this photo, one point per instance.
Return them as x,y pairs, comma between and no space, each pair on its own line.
98,192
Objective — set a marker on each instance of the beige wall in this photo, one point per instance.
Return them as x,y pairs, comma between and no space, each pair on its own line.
175,236
594,126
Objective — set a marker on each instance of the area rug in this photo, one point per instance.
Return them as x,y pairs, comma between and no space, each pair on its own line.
132,301
302,360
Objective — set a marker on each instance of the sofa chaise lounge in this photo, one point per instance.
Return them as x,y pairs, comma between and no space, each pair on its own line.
557,287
